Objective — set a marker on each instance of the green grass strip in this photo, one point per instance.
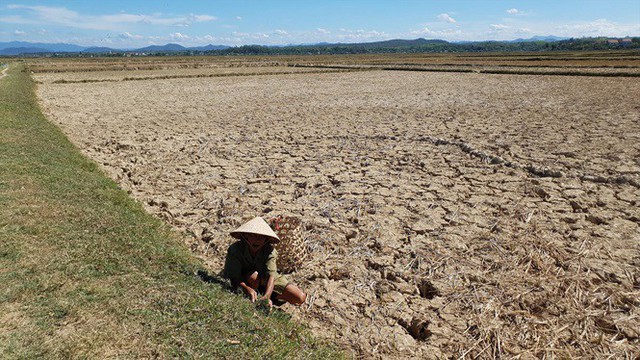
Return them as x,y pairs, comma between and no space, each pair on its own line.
86,272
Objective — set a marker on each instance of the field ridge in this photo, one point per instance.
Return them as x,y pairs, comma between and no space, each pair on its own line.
514,71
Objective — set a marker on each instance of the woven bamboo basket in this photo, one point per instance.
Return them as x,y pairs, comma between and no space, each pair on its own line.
291,248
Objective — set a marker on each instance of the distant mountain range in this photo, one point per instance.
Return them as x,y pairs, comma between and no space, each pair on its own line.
549,38
47,47
386,43
536,43
23,47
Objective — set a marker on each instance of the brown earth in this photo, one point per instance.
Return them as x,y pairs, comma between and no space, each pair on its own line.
119,75
446,215
624,59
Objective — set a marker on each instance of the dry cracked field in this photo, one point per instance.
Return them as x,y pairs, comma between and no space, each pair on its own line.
446,214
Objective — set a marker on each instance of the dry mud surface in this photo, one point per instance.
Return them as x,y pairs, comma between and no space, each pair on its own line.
120,75
446,215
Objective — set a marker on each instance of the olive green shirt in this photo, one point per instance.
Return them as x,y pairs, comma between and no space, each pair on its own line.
240,262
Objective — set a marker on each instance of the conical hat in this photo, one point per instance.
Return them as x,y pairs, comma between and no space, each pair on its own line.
256,226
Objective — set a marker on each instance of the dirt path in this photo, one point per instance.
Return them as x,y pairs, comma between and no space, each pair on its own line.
422,243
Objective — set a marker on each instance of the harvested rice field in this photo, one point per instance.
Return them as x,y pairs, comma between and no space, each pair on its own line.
445,214
131,75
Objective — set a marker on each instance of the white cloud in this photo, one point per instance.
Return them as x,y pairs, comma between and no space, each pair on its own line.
128,36
179,37
15,20
517,12
445,34
361,35
187,20
322,31
130,18
448,33
498,27
238,17
276,37
48,15
241,36
524,31
43,15
446,18
48,12
203,18
599,27
423,31
19,33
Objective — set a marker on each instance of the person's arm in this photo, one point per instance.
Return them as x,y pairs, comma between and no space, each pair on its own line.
250,292
270,285
272,270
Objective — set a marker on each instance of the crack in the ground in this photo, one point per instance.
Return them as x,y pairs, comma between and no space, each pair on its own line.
536,170
532,169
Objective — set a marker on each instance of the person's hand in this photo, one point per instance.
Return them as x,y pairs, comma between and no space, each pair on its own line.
268,298
251,294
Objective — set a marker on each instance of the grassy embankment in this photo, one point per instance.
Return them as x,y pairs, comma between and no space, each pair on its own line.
85,272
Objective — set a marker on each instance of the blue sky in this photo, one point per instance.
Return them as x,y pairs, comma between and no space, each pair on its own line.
135,23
